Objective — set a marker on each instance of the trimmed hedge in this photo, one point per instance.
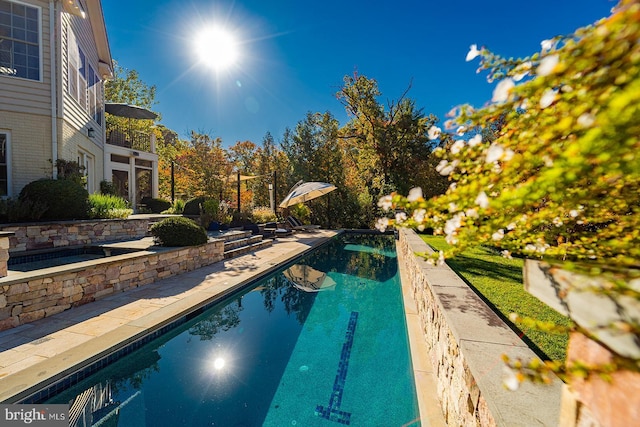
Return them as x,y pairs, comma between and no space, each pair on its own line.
179,231
64,199
156,205
192,207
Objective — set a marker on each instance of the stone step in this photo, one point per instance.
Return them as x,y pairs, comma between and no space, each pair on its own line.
229,235
247,248
244,241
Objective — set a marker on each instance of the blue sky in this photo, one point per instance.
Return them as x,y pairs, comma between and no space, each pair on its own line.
294,54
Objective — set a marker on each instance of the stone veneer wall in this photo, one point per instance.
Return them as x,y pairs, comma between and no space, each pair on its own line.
466,339
26,297
71,233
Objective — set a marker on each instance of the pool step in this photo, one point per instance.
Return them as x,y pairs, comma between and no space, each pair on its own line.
243,246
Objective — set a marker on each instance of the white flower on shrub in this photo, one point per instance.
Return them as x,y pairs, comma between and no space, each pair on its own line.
382,224
477,139
548,97
445,168
385,203
418,215
434,132
457,146
510,380
586,120
415,194
503,90
473,52
451,227
547,65
547,45
522,70
494,153
482,200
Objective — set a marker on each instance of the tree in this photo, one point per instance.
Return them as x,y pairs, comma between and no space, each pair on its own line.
390,146
205,166
270,159
127,87
314,155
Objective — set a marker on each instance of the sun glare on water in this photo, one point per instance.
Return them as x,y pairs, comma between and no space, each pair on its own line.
217,48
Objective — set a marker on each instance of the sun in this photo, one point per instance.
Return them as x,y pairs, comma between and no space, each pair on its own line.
217,48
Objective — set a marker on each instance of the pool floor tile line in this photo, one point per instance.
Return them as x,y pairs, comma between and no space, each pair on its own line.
45,351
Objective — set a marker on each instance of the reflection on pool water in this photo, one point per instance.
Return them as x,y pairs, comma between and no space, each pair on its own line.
321,342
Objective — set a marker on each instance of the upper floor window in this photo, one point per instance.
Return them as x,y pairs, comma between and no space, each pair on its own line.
19,40
83,83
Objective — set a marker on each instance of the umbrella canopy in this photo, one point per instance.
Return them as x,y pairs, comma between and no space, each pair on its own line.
308,279
129,111
305,192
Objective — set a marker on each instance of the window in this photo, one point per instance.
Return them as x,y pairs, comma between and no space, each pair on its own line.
19,40
5,164
86,160
83,84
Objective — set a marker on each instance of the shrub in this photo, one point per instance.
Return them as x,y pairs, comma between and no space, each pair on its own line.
107,187
156,205
263,214
178,231
106,206
549,170
176,208
210,210
16,210
193,206
301,211
64,199
71,170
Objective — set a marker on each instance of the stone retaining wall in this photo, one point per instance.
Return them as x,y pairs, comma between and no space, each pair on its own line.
71,233
466,339
25,297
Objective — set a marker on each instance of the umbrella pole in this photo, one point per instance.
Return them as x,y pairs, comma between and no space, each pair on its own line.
238,193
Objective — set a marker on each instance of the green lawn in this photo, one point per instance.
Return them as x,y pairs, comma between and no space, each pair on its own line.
498,281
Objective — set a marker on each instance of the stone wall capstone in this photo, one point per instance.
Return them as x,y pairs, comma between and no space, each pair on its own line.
33,236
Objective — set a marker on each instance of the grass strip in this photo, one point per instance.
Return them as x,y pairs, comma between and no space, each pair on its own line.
498,281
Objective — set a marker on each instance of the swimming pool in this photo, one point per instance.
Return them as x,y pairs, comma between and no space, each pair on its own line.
320,342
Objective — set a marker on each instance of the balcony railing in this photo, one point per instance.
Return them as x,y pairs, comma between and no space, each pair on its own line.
123,137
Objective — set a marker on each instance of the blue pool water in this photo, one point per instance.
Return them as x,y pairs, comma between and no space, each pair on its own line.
321,342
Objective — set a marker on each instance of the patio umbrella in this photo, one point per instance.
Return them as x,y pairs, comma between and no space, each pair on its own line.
308,279
129,111
305,192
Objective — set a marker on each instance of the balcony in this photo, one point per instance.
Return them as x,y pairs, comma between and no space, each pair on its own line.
129,138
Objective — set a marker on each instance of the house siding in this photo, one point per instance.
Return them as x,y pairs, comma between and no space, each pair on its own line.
30,147
30,96
77,119
25,112
25,106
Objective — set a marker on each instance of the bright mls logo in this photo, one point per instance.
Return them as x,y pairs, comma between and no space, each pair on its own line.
36,415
